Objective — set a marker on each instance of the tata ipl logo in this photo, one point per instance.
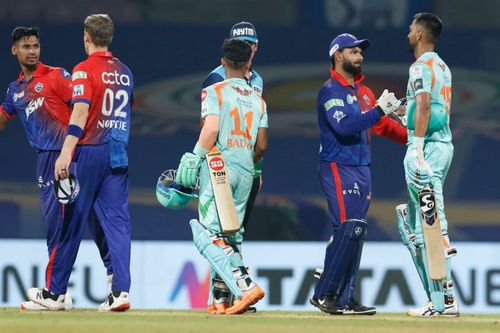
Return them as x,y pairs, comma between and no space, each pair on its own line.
197,290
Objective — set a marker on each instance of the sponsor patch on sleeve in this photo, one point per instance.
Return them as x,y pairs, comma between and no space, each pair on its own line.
65,73
338,115
416,72
333,102
78,90
79,75
418,84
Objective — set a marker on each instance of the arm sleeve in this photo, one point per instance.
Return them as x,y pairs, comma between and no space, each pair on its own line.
345,119
209,103
82,87
391,129
421,78
211,79
7,106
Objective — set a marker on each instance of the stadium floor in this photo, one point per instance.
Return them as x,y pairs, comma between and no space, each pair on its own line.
89,320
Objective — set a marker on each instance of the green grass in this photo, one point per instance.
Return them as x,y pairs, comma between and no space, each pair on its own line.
89,320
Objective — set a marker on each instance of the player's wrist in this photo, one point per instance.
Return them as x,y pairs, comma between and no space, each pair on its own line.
75,130
200,151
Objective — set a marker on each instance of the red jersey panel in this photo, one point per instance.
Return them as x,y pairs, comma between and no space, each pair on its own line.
106,84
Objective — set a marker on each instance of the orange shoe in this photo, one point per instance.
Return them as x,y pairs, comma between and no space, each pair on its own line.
217,308
250,297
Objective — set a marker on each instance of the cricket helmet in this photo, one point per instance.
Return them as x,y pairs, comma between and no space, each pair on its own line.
172,195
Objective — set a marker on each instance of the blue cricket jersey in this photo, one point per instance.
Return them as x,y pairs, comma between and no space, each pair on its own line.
219,75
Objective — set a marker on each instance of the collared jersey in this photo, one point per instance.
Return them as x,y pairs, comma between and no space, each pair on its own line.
342,123
430,74
219,74
42,105
241,113
106,84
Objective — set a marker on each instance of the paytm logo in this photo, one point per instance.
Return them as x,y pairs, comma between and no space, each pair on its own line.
197,289
115,78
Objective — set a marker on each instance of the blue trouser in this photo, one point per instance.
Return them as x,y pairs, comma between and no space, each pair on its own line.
106,192
348,190
52,209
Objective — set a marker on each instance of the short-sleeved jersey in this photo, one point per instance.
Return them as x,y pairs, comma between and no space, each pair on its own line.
219,74
106,84
430,74
42,104
342,122
241,113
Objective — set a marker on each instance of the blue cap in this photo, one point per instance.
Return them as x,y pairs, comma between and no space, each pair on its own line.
347,41
245,31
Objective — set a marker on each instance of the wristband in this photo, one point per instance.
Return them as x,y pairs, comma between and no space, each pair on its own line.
199,150
418,140
75,130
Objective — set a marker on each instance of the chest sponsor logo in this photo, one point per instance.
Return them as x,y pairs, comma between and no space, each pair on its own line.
39,87
243,92
338,115
78,90
33,106
351,99
203,95
79,75
333,102
17,96
115,78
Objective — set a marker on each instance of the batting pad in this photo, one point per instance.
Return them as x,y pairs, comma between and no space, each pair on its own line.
215,256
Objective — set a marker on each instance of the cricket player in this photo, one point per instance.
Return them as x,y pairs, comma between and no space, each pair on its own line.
40,97
235,122
247,32
346,111
97,135
429,153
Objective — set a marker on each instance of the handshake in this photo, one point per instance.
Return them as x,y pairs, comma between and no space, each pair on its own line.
388,102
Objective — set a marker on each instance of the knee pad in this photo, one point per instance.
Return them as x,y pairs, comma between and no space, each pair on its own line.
346,253
215,255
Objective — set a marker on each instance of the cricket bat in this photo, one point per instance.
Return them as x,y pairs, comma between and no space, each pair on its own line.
433,238
222,192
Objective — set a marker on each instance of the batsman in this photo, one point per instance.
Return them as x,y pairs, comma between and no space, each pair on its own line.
422,222
235,124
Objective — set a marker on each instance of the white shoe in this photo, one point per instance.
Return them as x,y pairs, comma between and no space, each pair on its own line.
116,301
32,306
428,310
44,297
68,301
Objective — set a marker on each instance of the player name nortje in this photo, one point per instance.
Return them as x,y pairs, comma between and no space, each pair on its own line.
118,124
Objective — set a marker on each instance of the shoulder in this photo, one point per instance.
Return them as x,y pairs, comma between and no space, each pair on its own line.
82,66
217,75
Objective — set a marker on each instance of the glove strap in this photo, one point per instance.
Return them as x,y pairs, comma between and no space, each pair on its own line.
200,151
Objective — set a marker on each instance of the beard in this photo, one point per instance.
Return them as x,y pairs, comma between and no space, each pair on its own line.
31,67
351,68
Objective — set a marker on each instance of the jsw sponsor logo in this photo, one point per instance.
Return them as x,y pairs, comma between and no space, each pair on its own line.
115,78
33,106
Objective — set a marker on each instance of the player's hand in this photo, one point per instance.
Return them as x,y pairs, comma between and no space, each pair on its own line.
188,169
418,170
388,102
61,169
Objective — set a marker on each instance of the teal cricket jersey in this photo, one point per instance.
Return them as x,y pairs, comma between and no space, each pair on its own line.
241,113
430,74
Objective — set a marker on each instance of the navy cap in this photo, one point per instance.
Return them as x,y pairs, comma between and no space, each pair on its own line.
245,31
347,41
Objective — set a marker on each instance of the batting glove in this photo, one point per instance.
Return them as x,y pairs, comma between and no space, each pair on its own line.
388,102
188,169
418,170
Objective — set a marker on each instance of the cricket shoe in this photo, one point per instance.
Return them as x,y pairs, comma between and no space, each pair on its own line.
117,301
32,306
250,297
355,308
218,308
327,305
46,298
428,310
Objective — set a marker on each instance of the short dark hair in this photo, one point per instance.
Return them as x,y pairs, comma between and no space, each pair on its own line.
100,29
236,52
23,32
431,22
